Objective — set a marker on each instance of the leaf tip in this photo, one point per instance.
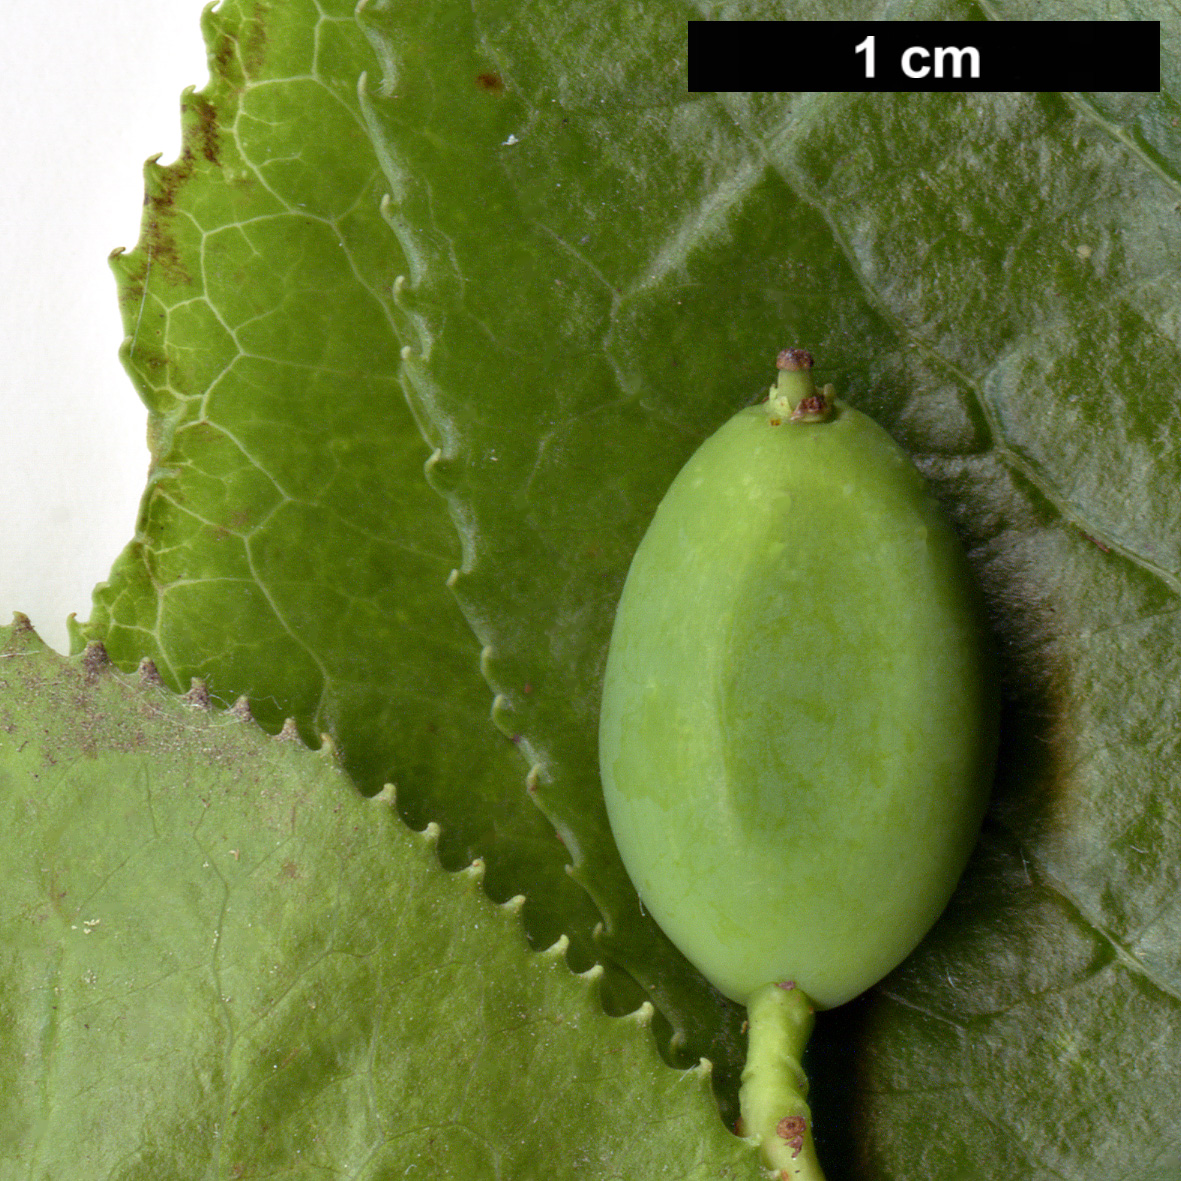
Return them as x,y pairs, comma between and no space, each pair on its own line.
198,695
558,948
289,733
501,708
643,1015
403,295
241,709
149,674
95,660
23,633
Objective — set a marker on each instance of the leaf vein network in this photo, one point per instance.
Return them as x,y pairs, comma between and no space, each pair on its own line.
1008,454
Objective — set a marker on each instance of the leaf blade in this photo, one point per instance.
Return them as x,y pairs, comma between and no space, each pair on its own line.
288,548
274,977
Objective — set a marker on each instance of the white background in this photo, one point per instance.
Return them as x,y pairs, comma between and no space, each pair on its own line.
87,92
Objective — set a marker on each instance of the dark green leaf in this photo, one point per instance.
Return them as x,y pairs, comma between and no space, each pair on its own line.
604,269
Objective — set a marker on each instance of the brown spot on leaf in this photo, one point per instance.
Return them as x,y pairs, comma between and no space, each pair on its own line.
241,710
490,81
242,519
252,39
204,127
95,660
221,53
149,674
238,48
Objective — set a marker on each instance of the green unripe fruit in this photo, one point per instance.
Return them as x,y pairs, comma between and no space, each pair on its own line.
798,722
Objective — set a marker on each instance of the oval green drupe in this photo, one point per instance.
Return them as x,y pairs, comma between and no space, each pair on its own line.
798,721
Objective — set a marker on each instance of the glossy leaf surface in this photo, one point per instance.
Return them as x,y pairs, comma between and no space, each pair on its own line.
992,278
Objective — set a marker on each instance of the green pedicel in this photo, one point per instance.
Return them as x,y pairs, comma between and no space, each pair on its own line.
774,1088
799,720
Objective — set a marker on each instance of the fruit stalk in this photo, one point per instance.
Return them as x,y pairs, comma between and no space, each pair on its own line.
773,1099
799,710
